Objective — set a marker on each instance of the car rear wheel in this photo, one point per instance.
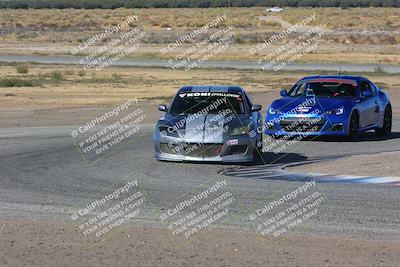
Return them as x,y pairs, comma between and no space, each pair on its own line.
354,126
386,130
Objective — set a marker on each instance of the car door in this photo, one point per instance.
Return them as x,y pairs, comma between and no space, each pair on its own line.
367,105
375,114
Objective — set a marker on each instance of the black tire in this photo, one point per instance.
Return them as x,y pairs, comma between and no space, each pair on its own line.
354,126
386,130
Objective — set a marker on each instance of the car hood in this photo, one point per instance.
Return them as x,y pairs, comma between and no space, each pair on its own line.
210,128
304,105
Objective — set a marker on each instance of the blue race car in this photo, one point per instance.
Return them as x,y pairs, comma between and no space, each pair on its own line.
330,105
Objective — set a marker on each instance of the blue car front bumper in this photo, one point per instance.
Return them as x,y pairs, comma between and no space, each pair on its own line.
306,124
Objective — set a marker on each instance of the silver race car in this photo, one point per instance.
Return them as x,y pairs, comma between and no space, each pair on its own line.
209,123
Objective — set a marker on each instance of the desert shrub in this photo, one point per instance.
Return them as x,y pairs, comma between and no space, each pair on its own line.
116,76
69,72
81,73
56,75
10,94
18,82
22,68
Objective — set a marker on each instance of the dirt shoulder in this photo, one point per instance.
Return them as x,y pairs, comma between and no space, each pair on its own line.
369,165
43,242
327,53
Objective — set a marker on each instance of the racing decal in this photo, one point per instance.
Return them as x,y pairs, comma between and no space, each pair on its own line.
208,94
304,109
329,80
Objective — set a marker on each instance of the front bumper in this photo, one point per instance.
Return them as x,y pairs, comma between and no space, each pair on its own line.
313,125
235,149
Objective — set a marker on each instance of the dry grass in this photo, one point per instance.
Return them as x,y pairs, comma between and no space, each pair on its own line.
75,25
334,53
387,19
383,19
114,85
362,35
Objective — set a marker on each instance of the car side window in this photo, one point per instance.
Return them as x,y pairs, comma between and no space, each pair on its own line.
299,90
373,88
364,86
248,101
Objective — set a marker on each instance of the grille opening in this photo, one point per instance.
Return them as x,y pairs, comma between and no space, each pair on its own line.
302,125
236,150
192,149
337,127
171,149
203,150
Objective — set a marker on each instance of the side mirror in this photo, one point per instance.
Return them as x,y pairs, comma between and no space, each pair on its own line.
163,108
256,108
284,93
366,93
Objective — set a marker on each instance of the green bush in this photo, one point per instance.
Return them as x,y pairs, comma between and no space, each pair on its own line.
116,76
17,82
22,68
81,73
56,75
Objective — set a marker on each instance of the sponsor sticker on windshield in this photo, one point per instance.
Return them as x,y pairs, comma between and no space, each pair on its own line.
209,94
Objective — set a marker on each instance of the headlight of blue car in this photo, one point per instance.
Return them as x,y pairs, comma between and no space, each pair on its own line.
336,111
272,110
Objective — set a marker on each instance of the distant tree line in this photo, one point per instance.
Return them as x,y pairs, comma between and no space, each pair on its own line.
111,4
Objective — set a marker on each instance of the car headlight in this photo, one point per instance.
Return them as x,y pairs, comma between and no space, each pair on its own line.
336,111
272,110
241,131
166,130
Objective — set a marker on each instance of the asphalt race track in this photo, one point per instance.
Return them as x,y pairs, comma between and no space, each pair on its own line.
42,174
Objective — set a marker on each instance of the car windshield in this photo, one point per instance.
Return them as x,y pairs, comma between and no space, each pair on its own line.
208,103
323,89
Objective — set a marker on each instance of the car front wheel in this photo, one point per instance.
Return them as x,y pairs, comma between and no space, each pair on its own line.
354,126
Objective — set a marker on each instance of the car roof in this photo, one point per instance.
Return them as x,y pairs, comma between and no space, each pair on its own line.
341,77
211,88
